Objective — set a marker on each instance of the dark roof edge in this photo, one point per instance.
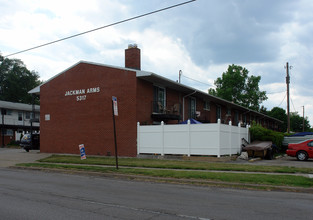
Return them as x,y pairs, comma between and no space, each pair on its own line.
18,106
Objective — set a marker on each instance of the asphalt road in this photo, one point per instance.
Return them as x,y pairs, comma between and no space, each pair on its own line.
28,194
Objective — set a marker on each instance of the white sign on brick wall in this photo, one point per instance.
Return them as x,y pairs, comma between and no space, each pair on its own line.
47,117
114,99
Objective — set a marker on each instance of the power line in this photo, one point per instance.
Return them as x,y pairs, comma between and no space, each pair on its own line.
106,26
270,93
282,100
293,105
196,80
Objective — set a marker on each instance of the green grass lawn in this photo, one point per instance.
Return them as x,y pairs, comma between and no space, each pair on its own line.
180,169
173,164
271,180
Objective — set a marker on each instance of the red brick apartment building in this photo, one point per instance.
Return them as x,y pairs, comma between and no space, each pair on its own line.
76,106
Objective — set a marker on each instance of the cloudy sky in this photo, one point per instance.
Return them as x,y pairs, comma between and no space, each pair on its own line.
200,38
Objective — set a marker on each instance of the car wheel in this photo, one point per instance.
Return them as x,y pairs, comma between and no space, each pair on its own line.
302,155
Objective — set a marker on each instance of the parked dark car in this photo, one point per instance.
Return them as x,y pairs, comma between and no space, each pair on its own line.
27,144
302,150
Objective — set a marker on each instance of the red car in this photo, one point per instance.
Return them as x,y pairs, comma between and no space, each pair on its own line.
302,150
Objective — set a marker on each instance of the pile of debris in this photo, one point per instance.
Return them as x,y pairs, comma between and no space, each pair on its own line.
263,149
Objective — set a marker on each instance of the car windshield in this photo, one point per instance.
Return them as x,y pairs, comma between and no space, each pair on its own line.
26,136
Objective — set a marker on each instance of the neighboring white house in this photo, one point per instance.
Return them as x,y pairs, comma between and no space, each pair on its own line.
17,119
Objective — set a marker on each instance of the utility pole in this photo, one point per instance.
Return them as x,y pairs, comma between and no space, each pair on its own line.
303,120
179,77
3,112
288,113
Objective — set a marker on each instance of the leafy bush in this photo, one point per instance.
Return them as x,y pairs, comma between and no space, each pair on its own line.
14,143
258,133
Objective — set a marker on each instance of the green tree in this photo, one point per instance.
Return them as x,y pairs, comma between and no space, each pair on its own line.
16,80
279,114
263,110
296,123
236,86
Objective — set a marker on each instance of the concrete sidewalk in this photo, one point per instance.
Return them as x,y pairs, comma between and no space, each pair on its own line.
10,157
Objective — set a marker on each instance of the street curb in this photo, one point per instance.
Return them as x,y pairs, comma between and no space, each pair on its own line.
197,182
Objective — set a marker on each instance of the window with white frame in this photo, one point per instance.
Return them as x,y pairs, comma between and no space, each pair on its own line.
20,116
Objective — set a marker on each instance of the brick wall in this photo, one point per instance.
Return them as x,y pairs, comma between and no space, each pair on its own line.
7,139
132,58
144,101
89,121
68,119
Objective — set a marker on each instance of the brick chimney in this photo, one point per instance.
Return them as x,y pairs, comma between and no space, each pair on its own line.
132,57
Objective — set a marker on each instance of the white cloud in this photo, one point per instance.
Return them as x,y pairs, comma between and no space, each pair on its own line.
201,39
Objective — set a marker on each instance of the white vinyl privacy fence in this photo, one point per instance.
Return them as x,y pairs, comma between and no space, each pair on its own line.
191,139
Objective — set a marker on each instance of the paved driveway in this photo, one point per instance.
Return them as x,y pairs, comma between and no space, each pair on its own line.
289,161
284,161
10,157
